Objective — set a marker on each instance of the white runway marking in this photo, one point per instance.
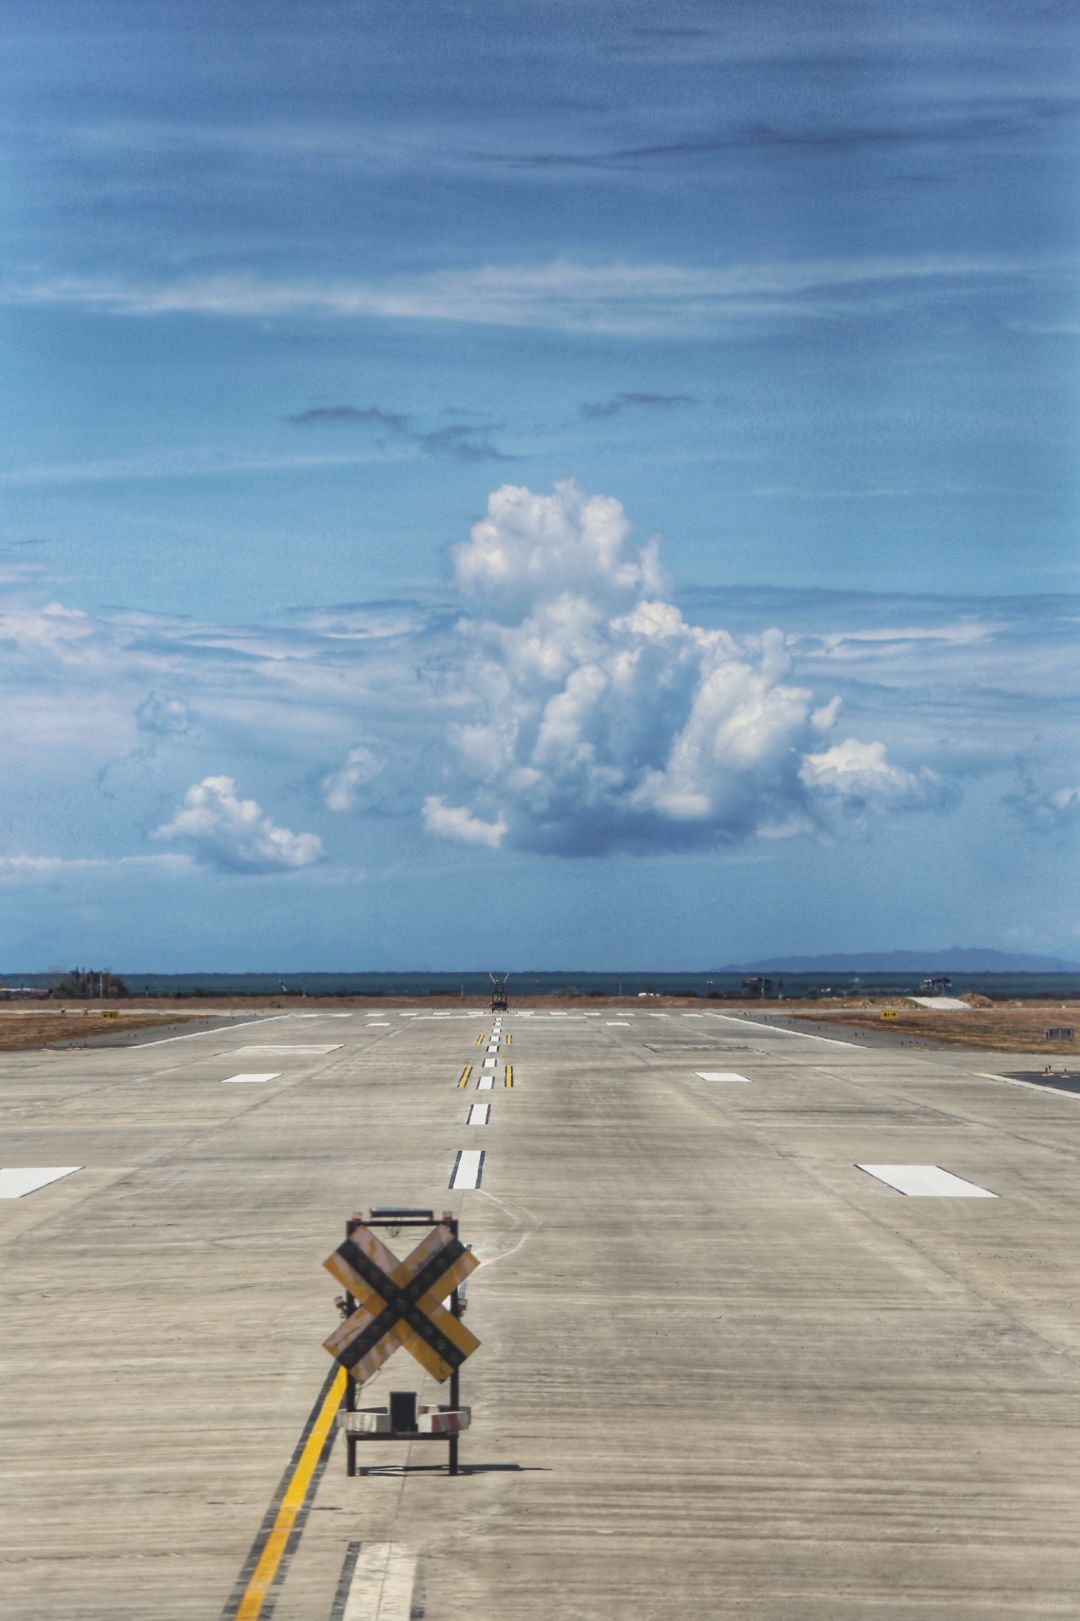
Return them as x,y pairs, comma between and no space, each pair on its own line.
775,1030
468,1168
382,1584
303,1052
720,1075
249,1080
1011,1080
693,1015
926,1182
377,1024
486,1083
479,1114
489,1063
17,1182
616,1021
219,1030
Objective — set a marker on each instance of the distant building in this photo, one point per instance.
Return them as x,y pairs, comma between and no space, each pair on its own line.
936,985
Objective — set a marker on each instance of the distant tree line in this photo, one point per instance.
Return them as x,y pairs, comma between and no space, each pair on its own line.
93,983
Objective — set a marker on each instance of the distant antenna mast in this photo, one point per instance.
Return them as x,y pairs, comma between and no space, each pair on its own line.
499,1004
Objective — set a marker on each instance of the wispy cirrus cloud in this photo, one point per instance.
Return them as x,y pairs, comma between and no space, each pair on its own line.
30,869
617,297
618,403
456,442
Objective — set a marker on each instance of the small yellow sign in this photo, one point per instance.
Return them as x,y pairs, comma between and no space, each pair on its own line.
889,1013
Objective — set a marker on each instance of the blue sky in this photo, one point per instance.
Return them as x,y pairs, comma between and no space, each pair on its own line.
592,486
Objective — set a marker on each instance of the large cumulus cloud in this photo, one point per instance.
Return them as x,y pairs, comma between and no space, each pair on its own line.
602,720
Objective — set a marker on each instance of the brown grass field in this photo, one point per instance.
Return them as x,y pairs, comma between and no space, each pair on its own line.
1001,1027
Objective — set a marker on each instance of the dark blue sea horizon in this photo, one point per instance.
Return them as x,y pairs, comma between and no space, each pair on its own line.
528,984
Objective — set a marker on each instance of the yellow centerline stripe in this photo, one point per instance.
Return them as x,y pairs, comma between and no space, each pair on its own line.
509,1076
509,1039
262,1577
466,1072
479,1038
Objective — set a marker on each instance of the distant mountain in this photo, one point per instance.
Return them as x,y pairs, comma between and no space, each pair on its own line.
953,960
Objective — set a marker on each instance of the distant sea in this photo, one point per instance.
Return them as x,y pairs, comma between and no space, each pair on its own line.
524,986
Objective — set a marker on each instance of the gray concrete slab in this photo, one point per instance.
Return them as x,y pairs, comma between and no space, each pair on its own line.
723,1372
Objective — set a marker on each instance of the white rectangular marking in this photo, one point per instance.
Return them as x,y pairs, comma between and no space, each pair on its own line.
489,1063
926,1182
249,1080
486,1083
479,1114
17,1182
720,1075
382,1584
468,1168
616,1021
377,1024
303,1052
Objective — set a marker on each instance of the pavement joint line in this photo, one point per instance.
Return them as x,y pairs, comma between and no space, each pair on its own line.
275,1542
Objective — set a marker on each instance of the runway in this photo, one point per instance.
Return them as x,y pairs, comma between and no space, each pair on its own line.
727,1368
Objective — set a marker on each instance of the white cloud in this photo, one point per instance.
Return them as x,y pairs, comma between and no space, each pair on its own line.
1046,810
456,823
531,548
341,788
162,715
234,834
51,629
860,776
602,720
29,868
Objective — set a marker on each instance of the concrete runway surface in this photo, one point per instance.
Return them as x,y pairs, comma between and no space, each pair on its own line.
723,1372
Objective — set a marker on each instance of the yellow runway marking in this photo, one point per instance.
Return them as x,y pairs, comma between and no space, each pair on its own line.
262,1577
480,1039
466,1072
509,1076
509,1039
